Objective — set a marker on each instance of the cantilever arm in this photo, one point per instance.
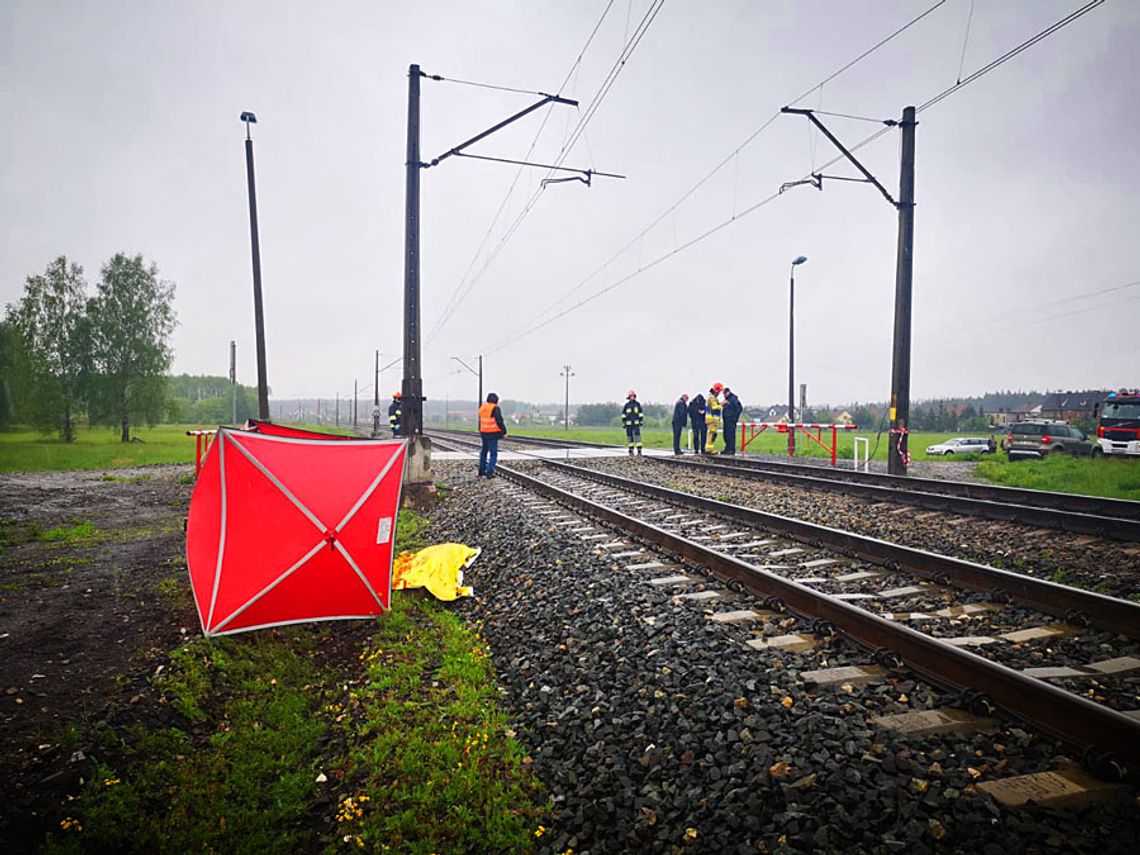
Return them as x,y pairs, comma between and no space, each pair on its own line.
870,178
556,99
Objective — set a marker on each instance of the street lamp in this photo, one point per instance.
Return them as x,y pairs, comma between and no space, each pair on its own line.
792,355
478,374
258,315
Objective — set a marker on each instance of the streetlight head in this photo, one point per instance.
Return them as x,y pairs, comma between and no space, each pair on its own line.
249,117
799,260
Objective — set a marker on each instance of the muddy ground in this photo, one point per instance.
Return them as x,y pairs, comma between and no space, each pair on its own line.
93,594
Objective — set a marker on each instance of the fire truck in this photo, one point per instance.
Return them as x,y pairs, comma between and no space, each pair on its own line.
1118,422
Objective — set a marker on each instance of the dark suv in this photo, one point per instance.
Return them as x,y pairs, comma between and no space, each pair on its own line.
1035,439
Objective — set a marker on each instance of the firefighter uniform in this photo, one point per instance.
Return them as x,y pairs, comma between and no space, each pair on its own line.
712,420
394,413
632,419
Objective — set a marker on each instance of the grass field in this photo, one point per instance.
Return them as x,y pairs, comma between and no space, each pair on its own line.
99,448
25,451
768,442
269,748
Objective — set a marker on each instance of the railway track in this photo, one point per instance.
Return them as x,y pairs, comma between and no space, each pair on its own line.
865,590
1114,519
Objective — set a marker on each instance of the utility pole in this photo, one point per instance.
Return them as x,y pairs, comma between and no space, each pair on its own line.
567,373
338,409
355,398
480,378
258,314
418,470
413,387
233,378
376,382
898,454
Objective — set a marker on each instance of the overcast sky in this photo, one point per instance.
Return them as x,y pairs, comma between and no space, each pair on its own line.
121,133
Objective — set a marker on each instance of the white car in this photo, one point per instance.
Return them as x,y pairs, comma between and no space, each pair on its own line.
961,445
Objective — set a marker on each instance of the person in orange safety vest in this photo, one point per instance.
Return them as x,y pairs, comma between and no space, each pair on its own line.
491,430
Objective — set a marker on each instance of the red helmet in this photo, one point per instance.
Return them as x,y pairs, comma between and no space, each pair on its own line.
395,394
718,387
631,394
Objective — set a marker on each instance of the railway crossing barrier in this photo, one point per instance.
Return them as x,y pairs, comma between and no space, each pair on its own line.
750,430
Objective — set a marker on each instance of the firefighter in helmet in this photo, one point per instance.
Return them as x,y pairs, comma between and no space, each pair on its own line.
394,414
632,418
712,418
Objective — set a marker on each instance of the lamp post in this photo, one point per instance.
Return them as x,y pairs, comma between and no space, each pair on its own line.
258,315
792,355
478,374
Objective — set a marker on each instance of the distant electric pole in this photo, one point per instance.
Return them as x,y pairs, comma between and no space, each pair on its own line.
567,373
898,455
355,399
233,378
258,313
338,409
376,382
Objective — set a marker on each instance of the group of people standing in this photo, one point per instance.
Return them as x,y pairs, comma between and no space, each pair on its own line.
705,416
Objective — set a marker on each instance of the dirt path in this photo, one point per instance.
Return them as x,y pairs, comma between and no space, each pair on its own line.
92,591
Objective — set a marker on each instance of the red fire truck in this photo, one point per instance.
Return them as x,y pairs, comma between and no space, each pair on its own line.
1118,422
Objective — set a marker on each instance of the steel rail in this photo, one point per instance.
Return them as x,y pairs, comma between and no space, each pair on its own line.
1066,716
1001,510
1118,508
1115,519
1072,604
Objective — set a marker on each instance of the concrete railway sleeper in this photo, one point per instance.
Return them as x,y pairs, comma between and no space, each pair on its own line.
1109,739
1046,510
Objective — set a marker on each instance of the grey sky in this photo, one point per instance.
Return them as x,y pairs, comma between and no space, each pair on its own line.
122,134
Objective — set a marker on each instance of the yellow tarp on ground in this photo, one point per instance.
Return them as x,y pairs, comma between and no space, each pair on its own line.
438,568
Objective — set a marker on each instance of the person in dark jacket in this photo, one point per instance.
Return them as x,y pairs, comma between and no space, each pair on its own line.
632,418
680,416
491,430
394,414
731,413
697,420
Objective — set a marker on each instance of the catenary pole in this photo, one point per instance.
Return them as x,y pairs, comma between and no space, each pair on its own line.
897,450
233,378
412,389
567,373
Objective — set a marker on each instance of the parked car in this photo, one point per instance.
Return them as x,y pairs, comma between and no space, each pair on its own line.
961,445
1037,438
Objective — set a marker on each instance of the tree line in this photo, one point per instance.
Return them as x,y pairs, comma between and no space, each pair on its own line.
66,354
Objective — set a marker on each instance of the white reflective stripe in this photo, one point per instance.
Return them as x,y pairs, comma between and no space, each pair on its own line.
359,573
221,440
284,490
371,489
320,545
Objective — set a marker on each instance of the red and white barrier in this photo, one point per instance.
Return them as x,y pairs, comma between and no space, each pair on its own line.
750,430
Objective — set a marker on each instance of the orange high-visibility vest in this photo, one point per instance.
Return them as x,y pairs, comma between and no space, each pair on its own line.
487,423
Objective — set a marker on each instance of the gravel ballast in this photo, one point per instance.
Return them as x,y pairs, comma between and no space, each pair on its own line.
654,728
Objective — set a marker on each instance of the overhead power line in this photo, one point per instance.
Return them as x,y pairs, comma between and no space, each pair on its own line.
567,147
724,162
536,326
448,307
